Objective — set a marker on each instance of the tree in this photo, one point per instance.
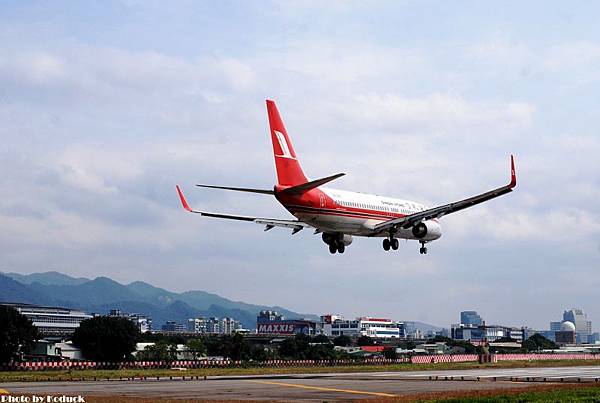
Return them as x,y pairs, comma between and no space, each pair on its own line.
342,341
390,353
321,338
196,347
364,341
17,333
295,348
538,342
105,338
159,351
467,346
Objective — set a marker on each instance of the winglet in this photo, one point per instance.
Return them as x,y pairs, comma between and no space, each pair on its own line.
513,174
183,201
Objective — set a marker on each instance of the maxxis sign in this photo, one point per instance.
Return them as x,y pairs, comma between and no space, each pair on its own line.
279,328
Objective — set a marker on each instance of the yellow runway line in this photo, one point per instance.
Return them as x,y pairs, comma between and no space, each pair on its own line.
294,385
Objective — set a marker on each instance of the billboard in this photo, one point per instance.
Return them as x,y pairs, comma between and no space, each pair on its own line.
276,327
286,327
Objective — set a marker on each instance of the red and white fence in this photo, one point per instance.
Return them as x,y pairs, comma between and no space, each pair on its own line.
543,357
66,365
417,359
434,359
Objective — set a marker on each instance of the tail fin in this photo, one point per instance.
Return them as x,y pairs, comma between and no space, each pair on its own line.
289,172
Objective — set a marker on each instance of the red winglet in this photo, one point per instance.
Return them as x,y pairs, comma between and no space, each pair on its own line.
183,201
513,174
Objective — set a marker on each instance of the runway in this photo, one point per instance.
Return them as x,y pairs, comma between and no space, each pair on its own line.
313,387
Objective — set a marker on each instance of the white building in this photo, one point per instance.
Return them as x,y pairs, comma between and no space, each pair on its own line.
142,322
51,321
213,325
335,325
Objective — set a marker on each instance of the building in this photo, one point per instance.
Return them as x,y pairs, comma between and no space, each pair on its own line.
51,321
172,326
142,322
230,325
335,325
213,325
566,334
583,327
489,333
470,318
271,322
56,351
594,338
197,325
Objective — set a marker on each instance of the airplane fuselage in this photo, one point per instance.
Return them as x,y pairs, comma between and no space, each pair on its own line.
353,213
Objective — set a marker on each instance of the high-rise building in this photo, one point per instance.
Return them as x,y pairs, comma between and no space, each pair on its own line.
230,325
173,326
470,318
583,327
213,325
196,325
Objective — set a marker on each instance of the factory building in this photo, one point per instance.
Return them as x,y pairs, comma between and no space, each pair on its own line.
271,322
51,321
335,325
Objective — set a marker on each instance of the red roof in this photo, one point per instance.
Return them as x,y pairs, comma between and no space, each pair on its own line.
372,349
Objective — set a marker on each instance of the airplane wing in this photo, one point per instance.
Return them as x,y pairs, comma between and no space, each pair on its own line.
437,212
269,223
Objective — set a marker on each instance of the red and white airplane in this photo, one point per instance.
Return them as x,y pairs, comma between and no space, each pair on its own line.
338,214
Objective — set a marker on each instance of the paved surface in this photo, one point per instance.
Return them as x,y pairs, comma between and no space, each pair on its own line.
314,387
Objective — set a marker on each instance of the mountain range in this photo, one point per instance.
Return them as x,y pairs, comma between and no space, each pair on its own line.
102,294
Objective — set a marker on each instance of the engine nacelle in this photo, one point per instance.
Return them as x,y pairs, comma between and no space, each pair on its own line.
428,230
328,238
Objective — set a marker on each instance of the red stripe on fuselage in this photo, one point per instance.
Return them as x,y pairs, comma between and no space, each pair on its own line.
357,213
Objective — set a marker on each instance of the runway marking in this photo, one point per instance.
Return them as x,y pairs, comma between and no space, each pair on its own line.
4,392
294,385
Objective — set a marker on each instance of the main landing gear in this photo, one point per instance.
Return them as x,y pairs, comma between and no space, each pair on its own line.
390,242
423,249
337,242
336,247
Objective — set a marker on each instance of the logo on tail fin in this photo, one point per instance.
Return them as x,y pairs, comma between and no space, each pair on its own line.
285,149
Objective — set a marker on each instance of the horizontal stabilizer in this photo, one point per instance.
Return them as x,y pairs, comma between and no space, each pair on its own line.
262,191
269,223
305,187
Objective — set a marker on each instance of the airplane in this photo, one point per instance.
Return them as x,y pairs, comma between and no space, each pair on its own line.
340,215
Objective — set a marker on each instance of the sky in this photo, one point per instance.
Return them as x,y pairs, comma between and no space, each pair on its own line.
106,105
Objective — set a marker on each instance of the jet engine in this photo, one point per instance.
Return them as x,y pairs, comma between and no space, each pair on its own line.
427,229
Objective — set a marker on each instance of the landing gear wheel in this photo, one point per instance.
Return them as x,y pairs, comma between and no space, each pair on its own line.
423,250
394,243
332,248
341,248
386,244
